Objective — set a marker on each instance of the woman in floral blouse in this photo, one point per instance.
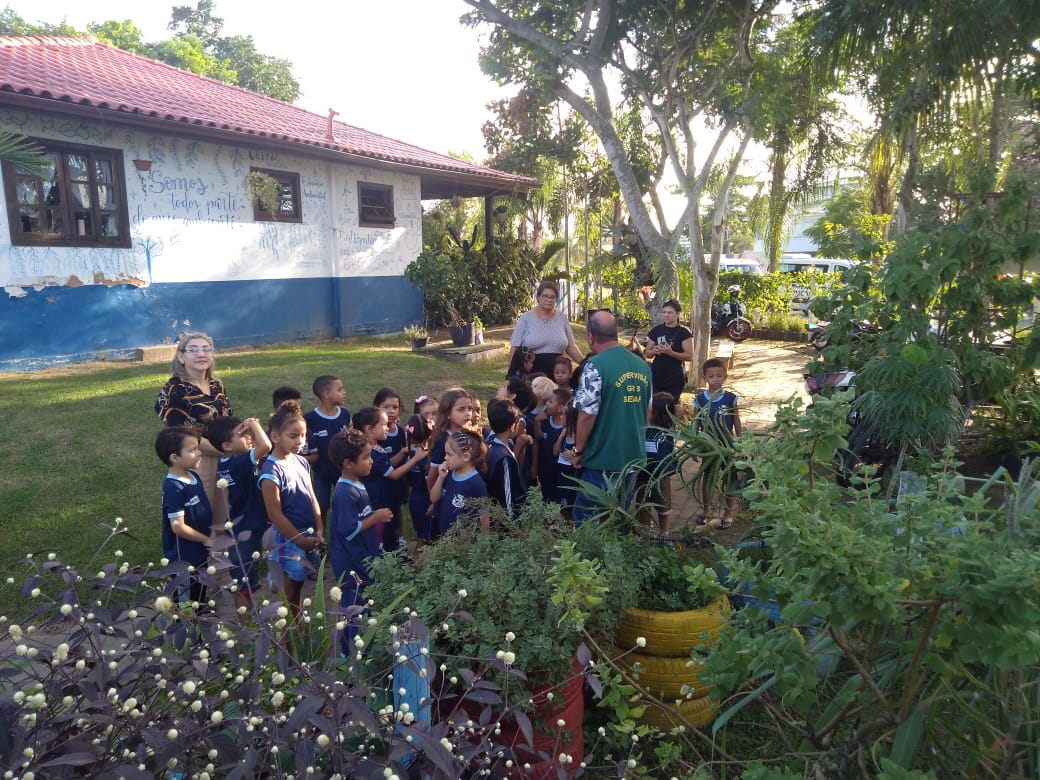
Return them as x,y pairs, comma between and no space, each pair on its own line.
193,398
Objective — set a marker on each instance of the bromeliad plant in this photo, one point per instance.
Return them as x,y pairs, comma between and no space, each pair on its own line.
931,611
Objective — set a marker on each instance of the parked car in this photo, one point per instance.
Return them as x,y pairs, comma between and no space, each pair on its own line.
792,264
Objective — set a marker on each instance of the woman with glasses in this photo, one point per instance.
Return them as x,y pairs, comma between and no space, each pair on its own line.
545,331
193,398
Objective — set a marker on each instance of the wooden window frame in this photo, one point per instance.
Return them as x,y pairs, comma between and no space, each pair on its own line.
53,201
376,205
289,181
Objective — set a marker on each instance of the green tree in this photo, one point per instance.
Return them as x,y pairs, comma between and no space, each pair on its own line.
850,228
13,24
123,35
528,135
258,72
198,22
801,122
676,64
927,69
188,53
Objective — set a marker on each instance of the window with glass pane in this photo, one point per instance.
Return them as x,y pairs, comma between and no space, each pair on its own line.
287,209
78,198
375,205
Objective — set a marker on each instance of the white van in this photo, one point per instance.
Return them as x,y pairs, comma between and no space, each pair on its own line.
739,264
792,264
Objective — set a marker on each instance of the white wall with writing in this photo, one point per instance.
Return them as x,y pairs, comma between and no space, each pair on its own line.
191,216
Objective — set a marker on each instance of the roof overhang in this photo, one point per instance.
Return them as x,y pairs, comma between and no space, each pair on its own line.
435,183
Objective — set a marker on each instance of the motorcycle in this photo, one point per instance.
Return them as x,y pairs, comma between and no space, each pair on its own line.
731,317
863,445
819,338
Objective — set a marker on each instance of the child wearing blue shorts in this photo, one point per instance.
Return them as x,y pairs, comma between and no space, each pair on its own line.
292,508
186,514
244,445
353,540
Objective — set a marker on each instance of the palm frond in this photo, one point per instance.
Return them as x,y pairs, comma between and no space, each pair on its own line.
21,152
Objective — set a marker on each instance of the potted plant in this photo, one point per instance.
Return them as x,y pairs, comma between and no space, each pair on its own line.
451,292
418,335
498,628
679,611
478,331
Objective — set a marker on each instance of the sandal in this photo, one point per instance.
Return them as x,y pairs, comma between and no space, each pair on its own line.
727,522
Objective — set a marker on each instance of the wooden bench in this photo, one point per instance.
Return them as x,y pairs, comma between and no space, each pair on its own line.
724,352
159,353
471,354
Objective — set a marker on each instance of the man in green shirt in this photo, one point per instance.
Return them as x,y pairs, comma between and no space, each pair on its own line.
612,398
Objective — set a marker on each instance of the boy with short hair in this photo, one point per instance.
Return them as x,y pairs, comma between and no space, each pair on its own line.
327,419
717,416
504,478
244,445
186,512
548,427
284,393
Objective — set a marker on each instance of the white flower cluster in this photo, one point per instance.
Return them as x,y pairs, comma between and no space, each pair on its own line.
507,657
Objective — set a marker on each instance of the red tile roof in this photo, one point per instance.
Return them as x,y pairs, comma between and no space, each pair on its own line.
87,72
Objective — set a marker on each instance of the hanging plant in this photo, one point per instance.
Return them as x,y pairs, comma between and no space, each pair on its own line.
265,191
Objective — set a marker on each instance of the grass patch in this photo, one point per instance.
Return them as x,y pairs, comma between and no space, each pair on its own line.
84,453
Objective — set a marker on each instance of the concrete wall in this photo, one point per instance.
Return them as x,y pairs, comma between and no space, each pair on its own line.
199,261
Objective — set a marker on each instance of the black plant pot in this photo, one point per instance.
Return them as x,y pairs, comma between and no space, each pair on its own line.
419,345
462,336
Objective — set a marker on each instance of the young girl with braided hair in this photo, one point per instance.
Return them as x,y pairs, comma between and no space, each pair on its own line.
460,480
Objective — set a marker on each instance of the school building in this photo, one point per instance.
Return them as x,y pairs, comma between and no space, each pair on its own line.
151,220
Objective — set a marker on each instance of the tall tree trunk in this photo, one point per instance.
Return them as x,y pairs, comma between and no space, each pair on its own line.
777,209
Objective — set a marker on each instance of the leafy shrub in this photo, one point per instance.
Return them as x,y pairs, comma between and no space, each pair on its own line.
460,282
926,611
505,576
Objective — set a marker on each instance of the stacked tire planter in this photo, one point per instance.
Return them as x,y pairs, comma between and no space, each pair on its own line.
664,666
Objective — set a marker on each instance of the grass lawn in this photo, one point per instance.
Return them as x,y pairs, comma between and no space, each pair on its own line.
84,453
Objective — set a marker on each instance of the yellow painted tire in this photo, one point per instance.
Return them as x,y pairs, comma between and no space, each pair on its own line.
672,633
697,712
666,677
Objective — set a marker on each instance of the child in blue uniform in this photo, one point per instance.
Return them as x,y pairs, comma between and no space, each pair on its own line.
393,446
654,480
717,417
505,482
459,482
454,410
327,419
186,514
563,449
292,508
244,445
419,437
547,430
352,527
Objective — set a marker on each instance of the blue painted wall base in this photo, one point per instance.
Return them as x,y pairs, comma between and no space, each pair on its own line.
59,325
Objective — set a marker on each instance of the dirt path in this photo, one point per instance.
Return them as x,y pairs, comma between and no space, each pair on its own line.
763,373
